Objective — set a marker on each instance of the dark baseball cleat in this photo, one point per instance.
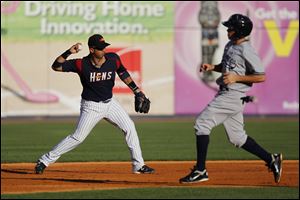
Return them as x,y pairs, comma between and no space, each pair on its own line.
195,176
40,167
145,170
276,166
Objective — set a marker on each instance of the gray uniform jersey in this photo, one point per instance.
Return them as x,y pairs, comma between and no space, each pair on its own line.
241,60
227,107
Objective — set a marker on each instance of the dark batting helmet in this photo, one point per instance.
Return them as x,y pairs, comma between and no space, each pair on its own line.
240,24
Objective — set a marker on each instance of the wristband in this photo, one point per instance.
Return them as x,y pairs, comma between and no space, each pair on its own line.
66,54
133,87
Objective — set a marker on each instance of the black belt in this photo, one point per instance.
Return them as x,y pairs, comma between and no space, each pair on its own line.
105,101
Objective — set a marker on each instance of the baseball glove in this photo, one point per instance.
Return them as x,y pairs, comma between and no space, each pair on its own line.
141,103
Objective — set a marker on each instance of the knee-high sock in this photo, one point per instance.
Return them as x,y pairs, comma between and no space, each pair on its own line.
254,148
202,146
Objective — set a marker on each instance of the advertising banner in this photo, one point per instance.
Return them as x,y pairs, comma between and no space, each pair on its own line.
200,38
35,33
161,43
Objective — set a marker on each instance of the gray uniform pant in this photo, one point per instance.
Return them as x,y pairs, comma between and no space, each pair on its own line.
227,108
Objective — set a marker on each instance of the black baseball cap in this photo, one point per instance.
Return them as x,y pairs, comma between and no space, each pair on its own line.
97,41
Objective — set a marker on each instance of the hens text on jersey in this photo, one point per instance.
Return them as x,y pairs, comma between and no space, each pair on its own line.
100,76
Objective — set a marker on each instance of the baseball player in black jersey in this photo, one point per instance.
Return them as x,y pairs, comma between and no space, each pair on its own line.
97,73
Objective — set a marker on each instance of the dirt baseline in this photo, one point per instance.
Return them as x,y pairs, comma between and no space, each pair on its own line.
76,176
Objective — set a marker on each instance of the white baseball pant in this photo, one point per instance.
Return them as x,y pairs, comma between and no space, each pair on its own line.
90,114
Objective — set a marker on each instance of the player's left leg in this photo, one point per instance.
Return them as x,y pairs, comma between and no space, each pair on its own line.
234,127
119,117
236,134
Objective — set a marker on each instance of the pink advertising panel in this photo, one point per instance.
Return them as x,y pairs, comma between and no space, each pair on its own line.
200,37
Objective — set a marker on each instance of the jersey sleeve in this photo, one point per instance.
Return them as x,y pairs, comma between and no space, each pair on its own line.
253,62
121,70
70,66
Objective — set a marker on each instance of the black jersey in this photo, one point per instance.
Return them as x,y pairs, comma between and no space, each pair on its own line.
97,83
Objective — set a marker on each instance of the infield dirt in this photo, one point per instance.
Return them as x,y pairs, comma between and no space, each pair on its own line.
19,178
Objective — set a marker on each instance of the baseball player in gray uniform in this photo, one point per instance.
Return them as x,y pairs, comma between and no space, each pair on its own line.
97,73
240,68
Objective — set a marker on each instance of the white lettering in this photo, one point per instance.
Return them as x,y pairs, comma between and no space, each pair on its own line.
68,8
281,14
158,10
118,8
108,27
261,13
125,9
115,25
290,105
286,14
103,76
106,7
92,77
44,26
109,75
100,76
32,8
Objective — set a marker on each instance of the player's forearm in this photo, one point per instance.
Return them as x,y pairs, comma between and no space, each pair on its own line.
126,78
131,84
251,78
57,65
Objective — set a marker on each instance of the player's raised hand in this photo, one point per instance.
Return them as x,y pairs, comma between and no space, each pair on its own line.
76,48
206,67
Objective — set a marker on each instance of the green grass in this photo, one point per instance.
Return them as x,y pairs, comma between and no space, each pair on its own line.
171,193
162,140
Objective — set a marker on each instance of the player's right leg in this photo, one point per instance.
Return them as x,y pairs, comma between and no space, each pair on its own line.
203,125
211,116
89,117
